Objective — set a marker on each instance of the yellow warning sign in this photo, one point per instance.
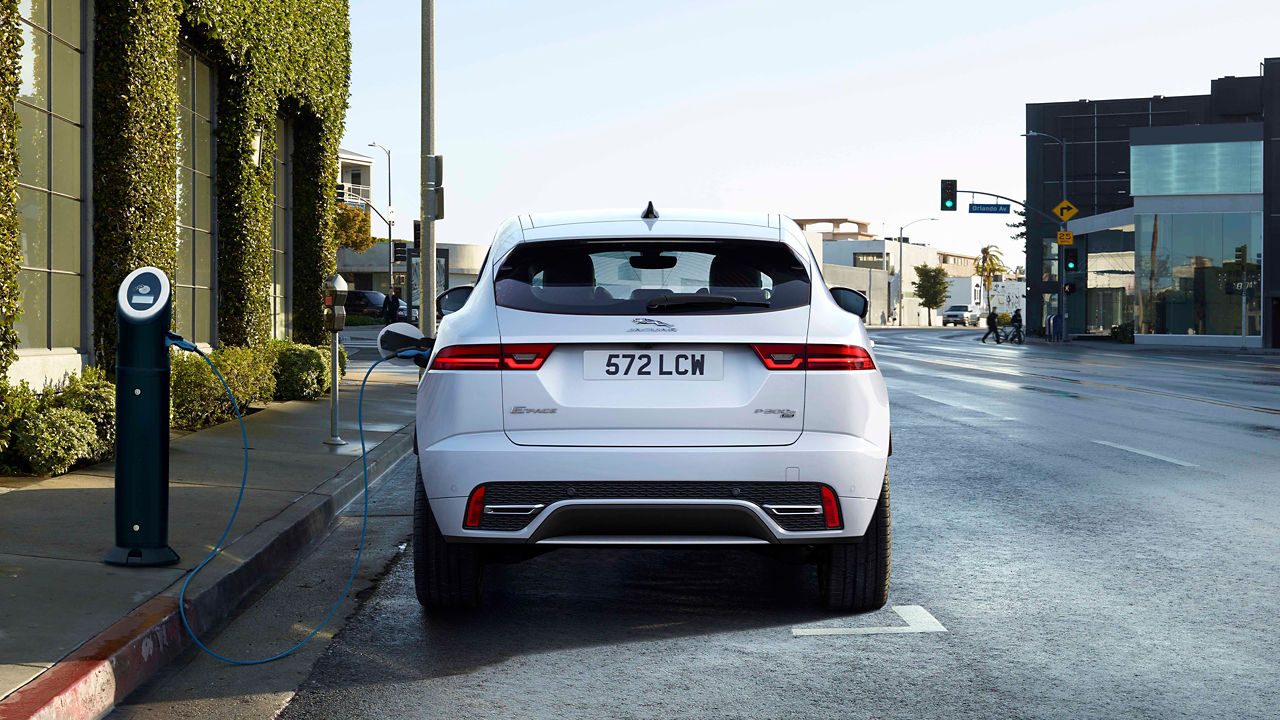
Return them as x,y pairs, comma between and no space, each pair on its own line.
1064,211
1066,238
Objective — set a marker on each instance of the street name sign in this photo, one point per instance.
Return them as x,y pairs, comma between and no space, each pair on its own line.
1066,238
989,208
1064,210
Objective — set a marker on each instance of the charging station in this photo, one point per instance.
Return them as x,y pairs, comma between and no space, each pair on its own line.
143,308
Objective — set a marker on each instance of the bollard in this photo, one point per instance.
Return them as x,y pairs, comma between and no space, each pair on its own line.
142,421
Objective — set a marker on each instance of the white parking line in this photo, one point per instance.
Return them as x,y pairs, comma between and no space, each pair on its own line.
918,621
1148,454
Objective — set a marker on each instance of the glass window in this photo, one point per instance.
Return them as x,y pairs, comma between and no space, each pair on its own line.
1187,278
1196,168
281,229
196,197
51,77
670,276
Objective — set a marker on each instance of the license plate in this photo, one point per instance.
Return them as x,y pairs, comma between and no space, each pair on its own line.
653,365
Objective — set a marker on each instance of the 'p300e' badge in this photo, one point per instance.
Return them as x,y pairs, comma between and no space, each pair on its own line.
780,412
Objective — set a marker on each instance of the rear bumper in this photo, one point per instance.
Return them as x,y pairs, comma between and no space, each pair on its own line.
851,466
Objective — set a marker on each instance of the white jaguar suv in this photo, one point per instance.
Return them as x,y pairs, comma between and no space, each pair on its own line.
624,378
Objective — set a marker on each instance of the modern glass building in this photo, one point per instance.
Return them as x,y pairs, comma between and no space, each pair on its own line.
1177,198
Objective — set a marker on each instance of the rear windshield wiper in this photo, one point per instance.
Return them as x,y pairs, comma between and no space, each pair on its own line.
695,301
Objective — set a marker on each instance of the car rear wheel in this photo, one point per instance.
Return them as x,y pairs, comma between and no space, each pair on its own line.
854,577
446,576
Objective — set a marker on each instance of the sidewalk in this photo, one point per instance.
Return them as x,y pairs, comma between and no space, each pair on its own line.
76,635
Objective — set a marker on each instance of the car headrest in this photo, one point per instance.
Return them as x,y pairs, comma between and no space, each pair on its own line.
728,271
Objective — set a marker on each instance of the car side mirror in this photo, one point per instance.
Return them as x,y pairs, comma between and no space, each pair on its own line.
851,301
398,337
452,300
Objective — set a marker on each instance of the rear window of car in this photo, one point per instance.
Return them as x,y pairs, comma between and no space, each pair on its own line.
958,308
651,277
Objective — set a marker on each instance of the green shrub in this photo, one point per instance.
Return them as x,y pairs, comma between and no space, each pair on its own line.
52,439
199,400
358,320
94,395
15,402
301,371
1004,318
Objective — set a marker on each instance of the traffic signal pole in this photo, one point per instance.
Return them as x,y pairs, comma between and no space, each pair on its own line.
427,206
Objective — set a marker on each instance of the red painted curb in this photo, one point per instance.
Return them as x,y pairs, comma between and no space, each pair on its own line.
104,670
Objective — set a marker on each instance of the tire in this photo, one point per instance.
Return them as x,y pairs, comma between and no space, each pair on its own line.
446,576
854,577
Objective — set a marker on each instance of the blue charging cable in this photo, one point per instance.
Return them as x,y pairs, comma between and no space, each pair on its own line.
175,340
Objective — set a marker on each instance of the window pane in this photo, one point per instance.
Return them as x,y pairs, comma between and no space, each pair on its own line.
186,257
64,69
202,146
33,75
184,78
277,229
66,310
37,11
33,227
202,89
65,20
182,311
32,324
202,197
33,139
203,319
66,157
203,244
184,198
64,221
184,138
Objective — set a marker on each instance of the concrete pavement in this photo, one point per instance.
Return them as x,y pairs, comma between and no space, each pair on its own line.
77,635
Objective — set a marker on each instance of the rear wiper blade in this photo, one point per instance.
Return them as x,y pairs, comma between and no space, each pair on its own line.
694,301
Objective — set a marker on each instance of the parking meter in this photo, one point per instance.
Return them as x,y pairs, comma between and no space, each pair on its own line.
335,297
143,306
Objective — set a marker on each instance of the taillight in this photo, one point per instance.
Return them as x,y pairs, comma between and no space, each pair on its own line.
525,357
492,357
794,356
475,506
830,508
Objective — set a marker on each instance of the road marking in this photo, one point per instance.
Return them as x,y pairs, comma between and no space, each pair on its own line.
1148,454
918,621
962,406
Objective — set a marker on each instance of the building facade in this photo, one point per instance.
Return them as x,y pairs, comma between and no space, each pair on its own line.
1178,201
179,135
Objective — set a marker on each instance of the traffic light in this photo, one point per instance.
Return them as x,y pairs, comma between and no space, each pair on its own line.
1242,254
1071,258
417,234
1068,288
399,252
948,194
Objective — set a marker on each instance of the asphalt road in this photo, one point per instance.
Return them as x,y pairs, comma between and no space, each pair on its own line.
1095,528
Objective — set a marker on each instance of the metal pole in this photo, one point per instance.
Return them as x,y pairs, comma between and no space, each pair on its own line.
427,261
1062,267
900,275
334,437
391,246
1244,312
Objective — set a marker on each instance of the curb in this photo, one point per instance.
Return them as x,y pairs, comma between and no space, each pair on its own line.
92,679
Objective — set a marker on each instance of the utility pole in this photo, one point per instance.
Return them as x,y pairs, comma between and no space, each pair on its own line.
391,220
901,275
429,177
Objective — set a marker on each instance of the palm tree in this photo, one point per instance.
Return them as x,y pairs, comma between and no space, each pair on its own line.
990,264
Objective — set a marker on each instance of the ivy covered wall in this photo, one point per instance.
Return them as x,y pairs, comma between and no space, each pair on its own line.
273,58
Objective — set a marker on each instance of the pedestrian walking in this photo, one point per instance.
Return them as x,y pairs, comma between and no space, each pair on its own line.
993,326
1016,320
390,307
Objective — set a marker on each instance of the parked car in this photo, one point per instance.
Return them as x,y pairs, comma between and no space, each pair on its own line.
365,302
962,315
618,379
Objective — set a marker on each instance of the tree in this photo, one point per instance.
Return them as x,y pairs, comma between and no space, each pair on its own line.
351,226
990,264
931,287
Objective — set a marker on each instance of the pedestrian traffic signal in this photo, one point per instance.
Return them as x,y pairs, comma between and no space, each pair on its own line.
1068,288
1242,254
948,194
1071,257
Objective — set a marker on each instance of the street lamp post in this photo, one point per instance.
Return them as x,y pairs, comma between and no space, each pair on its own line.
1062,296
391,220
901,275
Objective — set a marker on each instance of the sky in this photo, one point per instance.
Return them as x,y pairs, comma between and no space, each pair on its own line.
808,108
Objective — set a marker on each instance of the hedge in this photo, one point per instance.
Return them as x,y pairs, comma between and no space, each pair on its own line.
198,397
287,58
